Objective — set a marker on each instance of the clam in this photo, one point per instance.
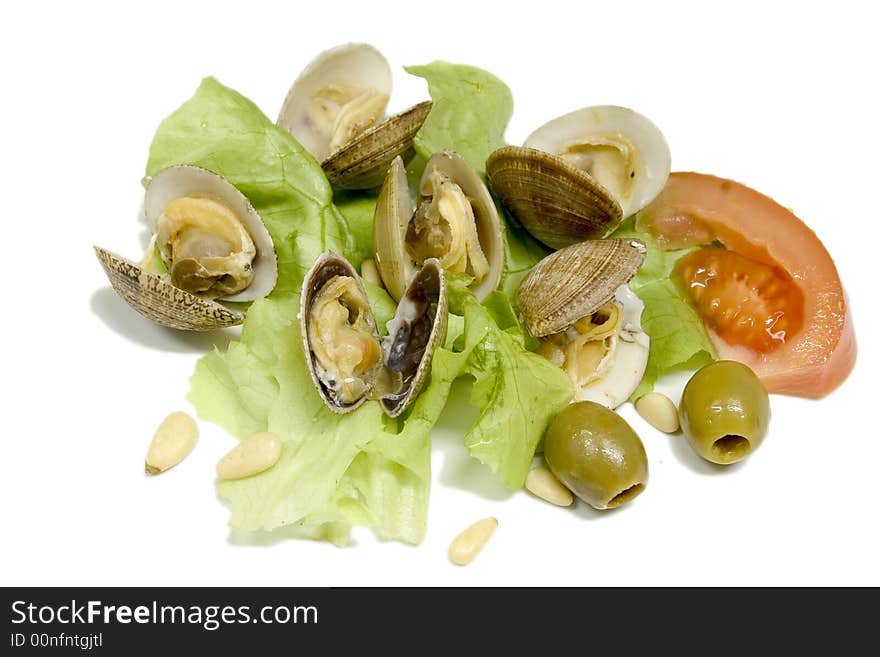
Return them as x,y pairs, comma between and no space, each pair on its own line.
576,301
578,176
619,148
347,360
335,109
557,203
212,244
454,220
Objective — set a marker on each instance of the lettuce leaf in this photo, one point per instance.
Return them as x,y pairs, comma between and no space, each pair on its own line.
517,393
471,110
335,471
357,210
678,339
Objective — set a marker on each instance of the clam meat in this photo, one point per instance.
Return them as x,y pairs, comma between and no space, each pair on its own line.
347,360
453,220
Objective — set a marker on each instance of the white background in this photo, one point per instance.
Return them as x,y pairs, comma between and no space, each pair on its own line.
782,97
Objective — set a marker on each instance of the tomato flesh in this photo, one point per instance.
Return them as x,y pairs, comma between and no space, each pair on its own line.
745,302
772,297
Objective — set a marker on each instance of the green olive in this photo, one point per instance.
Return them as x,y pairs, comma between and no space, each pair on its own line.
724,412
596,454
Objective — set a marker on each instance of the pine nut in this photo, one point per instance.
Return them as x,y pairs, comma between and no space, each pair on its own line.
370,273
252,455
172,442
544,484
468,544
659,411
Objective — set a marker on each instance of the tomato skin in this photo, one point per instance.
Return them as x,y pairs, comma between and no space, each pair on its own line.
695,207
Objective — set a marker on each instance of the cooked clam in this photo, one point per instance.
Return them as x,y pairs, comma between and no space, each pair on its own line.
619,148
335,109
556,202
454,221
587,320
347,360
211,242
578,176
340,94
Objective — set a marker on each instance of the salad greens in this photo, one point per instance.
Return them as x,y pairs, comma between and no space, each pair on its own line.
518,392
471,110
678,338
363,468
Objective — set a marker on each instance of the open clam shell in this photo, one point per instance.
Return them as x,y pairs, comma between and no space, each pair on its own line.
156,299
363,162
620,148
396,208
417,329
575,281
557,203
335,109
253,253
326,267
181,181
311,107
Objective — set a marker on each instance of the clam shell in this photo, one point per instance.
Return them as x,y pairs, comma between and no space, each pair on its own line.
429,282
575,281
363,162
326,267
352,64
158,300
653,160
556,202
395,208
186,180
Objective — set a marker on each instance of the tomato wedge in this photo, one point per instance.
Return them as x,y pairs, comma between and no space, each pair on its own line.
772,297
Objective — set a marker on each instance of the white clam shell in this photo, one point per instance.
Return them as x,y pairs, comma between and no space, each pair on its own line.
652,164
630,357
352,64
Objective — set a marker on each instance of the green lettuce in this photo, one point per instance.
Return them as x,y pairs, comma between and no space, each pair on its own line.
471,110
516,392
678,338
357,210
